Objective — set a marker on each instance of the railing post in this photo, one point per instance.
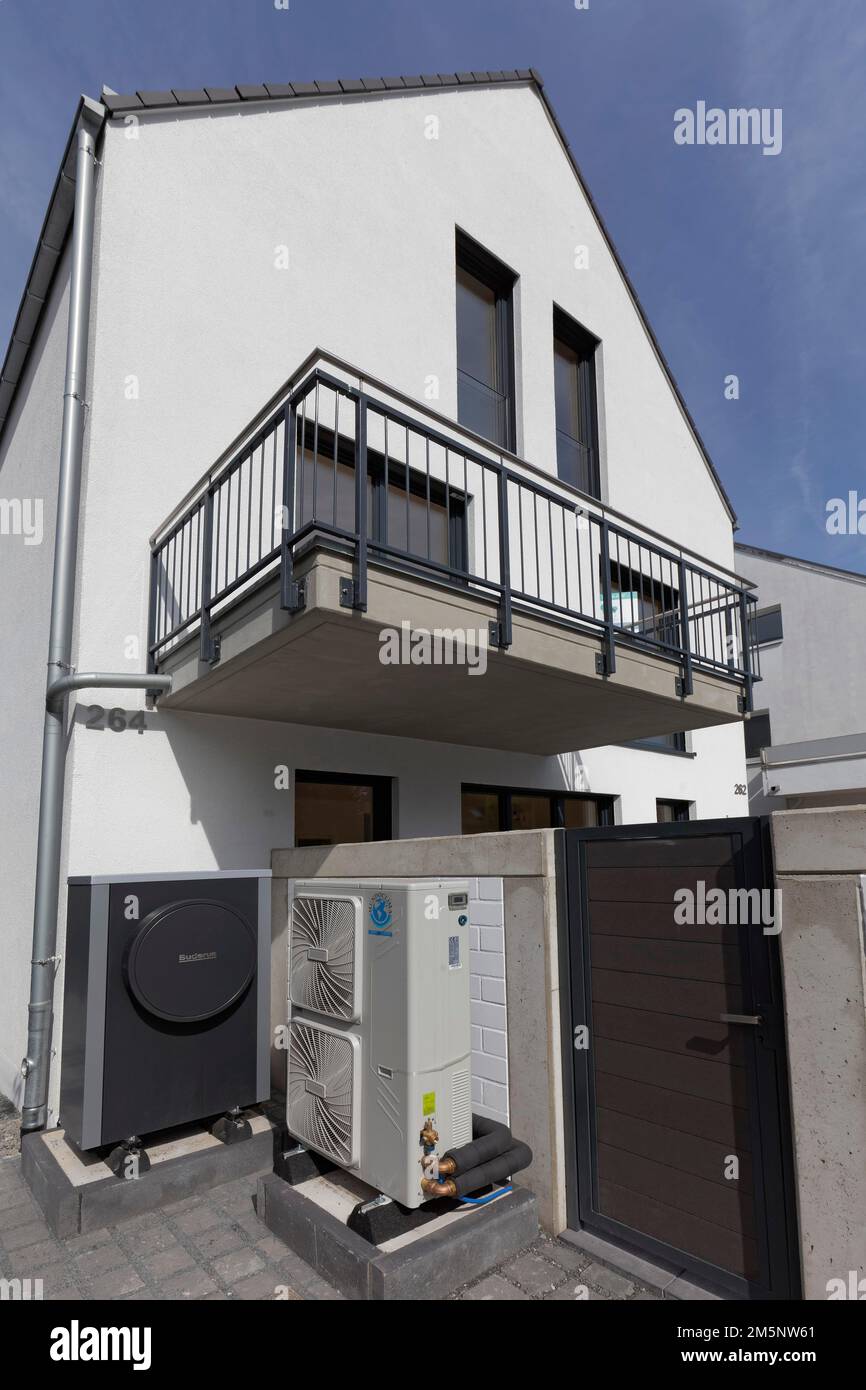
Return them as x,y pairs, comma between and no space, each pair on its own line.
208,645
290,593
357,597
746,699
152,613
685,685
605,662
503,627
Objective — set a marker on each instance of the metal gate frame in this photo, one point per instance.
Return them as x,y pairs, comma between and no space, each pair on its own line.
769,1108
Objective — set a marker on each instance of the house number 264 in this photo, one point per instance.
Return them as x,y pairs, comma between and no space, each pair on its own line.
117,720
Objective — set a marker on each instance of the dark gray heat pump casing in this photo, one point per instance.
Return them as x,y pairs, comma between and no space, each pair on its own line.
166,1008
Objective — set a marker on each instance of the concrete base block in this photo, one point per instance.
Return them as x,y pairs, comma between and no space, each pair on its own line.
79,1193
428,1263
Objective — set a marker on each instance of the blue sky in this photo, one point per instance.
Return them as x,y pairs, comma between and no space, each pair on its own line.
746,264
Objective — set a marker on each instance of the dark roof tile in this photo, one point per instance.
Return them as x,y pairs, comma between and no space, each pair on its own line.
351,84
280,89
157,98
252,92
116,101
329,89
220,94
305,89
192,97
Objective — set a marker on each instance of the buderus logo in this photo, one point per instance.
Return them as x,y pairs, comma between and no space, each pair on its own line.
381,915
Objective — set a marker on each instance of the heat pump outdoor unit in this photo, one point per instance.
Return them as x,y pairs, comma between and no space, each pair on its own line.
379,1038
166,1013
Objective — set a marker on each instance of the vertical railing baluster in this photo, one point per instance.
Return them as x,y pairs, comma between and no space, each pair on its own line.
606,659
503,634
686,682
290,596
359,588
208,648
747,653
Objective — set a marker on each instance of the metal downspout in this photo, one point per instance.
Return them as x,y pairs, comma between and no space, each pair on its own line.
36,1065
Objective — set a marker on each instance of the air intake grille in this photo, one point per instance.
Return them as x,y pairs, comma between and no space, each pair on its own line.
321,1091
461,1108
323,954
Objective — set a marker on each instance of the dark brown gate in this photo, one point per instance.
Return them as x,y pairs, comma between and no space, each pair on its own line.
680,1127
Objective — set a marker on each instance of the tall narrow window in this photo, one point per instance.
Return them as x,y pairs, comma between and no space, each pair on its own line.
485,346
576,407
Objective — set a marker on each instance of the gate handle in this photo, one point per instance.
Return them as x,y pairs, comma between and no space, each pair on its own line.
753,1020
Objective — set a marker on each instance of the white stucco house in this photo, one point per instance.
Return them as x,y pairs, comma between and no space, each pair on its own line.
806,738
360,359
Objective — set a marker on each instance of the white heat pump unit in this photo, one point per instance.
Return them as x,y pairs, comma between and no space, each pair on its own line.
379,1039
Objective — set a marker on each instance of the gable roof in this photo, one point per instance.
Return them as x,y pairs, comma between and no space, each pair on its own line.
113,104
797,562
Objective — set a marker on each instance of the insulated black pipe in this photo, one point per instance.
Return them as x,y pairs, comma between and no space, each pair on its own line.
495,1170
489,1139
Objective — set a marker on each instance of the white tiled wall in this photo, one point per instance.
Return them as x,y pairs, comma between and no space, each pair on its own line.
487,984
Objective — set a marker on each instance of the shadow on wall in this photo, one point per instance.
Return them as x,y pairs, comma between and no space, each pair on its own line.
228,767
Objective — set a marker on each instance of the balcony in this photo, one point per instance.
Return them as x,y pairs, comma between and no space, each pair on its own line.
346,510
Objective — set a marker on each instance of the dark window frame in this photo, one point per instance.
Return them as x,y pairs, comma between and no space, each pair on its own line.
654,745
505,795
682,810
755,625
449,498
482,265
756,721
381,787
573,335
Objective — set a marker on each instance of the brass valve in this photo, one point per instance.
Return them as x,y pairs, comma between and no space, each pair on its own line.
429,1136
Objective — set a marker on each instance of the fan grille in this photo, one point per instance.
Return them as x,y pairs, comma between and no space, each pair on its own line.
328,927
321,1114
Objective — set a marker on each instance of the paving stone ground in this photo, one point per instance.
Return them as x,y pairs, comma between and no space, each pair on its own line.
215,1247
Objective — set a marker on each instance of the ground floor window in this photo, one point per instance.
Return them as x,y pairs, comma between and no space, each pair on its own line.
486,809
336,808
670,811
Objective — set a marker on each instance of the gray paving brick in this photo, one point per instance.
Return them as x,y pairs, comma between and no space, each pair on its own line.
94,1263
615,1285
167,1262
271,1247
30,1233
150,1242
61,1293
77,1245
29,1261
123,1279
535,1275
191,1283
264,1286
219,1241
19,1215
566,1256
574,1291
237,1265
199,1219
494,1287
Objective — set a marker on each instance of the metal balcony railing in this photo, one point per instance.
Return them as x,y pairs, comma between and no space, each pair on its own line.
349,463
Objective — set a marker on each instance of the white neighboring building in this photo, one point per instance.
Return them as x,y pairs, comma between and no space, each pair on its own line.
806,740
428,245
